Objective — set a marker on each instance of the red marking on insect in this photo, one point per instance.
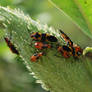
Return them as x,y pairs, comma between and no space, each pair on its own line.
40,45
36,56
78,51
11,46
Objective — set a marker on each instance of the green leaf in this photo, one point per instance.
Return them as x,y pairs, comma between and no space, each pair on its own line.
55,73
70,9
86,9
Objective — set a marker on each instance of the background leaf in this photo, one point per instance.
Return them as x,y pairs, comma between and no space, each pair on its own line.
70,8
86,9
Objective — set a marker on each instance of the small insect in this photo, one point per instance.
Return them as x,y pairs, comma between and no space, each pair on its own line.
36,56
11,46
65,51
75,49
66,38
40,45
43,37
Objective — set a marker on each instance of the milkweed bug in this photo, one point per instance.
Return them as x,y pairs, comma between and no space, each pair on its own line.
36,56
11,46
65,51
75,49
43,37
66,38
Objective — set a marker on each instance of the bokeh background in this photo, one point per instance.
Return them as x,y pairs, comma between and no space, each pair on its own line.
14,77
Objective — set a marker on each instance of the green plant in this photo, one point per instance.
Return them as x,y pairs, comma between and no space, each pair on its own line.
54,73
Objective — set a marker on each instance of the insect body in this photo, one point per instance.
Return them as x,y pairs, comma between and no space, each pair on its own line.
66,38
11,46
65,51
40,45
75,49
36,56
43,37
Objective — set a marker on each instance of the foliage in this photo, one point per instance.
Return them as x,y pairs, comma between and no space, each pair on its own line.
70,8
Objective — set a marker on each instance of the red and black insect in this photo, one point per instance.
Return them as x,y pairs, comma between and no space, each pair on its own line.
41,45
36,56
43,37
11,46
66,38
75,50
65,51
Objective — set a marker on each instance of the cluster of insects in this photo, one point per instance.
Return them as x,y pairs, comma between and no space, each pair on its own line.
46,41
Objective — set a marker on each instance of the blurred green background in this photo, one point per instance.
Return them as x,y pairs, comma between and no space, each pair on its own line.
14,77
